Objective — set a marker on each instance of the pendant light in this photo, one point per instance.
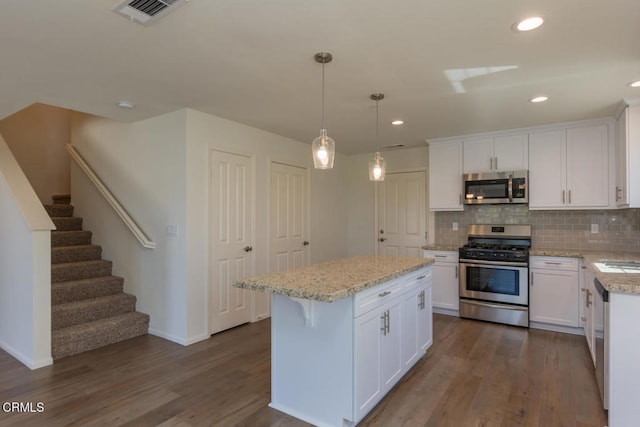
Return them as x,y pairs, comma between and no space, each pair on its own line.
377,165
324,148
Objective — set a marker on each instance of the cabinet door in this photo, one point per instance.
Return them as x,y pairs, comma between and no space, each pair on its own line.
588,166
445,285
511,153
411,303
425,321
553,297
368,341
390,349
445,176
622,135
547,173
478,156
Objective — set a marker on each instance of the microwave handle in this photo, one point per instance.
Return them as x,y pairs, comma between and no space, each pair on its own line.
510,188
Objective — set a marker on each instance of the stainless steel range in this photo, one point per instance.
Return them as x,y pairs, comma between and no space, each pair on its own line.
494,274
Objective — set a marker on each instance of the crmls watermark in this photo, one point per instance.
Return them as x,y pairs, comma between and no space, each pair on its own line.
22,407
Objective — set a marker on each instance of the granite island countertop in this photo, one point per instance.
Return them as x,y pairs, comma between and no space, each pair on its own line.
333,280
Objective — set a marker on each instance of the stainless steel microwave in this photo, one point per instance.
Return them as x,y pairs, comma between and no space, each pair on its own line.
496,187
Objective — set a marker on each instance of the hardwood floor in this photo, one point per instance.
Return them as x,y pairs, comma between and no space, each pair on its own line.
476,374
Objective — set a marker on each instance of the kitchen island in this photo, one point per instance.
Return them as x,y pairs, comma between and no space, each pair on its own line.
344,332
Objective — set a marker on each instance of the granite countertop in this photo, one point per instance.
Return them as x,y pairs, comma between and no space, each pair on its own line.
622,283
331,281
441,248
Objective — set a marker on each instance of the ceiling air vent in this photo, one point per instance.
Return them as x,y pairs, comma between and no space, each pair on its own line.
146,11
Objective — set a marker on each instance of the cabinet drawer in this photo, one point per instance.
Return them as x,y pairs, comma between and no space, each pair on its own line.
554,263
375,297
442,256
416,278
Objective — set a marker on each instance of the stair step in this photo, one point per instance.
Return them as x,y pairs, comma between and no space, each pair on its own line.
58,210
76,290
70,238
62,254
89,310
88,336
80,270
67,223
61,199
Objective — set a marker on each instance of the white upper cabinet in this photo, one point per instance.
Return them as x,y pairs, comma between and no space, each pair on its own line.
569,169
500,153
445,176
628,158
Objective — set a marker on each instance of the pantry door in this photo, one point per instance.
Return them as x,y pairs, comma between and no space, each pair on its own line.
288,217
230,236
401,214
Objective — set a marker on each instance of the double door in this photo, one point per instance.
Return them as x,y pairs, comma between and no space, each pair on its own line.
569,168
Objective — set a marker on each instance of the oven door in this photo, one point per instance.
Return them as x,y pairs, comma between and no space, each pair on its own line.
495,281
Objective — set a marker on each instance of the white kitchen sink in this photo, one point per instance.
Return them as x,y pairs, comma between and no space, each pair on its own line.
618,267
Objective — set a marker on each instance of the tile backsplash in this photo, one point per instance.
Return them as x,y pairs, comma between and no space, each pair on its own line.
618,230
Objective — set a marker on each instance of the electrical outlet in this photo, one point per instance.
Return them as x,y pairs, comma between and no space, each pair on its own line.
455,226
594,229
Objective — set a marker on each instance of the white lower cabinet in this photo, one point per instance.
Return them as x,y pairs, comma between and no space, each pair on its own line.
553,291
391,337
445,271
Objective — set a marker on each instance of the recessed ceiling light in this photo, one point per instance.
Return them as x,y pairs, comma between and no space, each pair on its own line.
397,122
539,99
528,24
125,104
635,84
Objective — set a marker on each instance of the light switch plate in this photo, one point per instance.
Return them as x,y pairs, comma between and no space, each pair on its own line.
172,230
455,226
594,229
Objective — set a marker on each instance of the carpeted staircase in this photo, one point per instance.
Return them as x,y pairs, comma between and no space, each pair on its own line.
88,306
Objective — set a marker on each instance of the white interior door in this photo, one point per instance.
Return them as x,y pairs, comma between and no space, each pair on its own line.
288,213
402,221
230,228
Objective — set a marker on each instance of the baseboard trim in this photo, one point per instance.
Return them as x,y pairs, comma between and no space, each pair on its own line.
447,311
178,340
26,361
556,328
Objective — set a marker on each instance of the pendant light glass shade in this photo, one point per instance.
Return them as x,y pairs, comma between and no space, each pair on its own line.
323,147
377,165
377,168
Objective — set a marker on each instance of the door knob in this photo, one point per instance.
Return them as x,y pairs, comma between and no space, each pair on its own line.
305,243
248,248
381,231
382,239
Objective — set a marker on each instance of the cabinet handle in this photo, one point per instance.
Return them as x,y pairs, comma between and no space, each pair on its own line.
439,256
531,278
457,271
496,162
420,277
384,294
460,198
384,323
584,319
552,263
569,196
388,323
618,193
589,298
563,197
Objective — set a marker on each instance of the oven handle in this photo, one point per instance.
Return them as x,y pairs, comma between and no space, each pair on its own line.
476,263
501,306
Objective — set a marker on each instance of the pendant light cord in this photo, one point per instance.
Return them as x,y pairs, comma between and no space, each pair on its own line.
322,94
377,121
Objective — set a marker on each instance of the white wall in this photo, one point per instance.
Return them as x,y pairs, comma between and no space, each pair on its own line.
37,137
143,164
361,194
25,267
328,198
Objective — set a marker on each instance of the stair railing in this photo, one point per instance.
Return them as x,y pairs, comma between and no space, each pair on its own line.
115,204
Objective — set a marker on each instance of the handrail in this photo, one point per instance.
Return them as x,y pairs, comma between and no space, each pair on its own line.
115,204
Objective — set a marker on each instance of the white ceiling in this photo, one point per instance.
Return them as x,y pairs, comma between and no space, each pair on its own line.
251,61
